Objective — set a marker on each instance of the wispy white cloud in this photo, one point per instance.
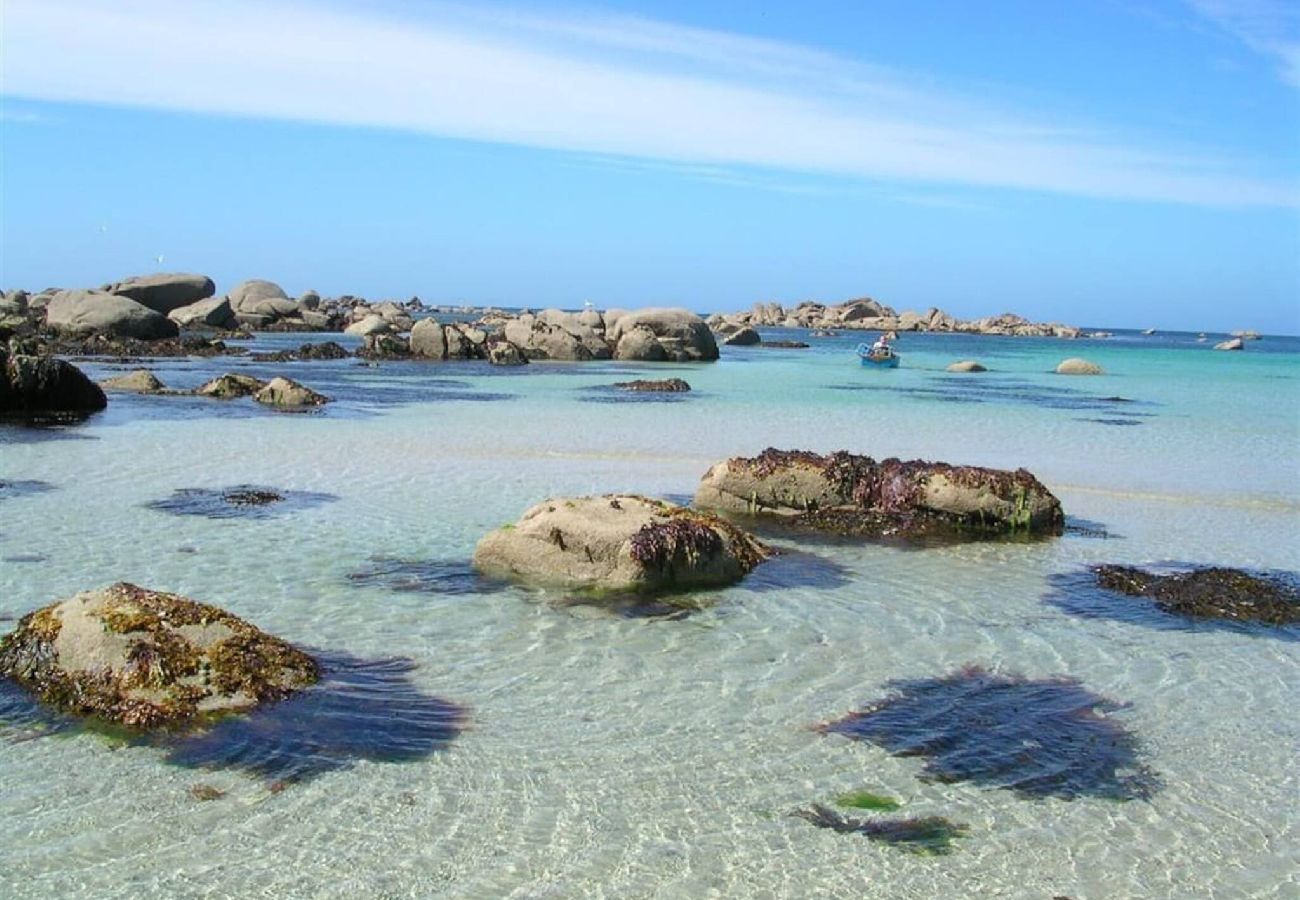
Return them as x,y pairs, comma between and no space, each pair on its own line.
1268,27
721,104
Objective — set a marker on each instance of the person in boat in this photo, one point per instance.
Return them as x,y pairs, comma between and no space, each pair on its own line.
881,346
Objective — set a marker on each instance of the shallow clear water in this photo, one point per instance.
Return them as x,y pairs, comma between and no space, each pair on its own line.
609,755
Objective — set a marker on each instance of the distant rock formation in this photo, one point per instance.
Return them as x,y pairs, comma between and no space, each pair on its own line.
867,314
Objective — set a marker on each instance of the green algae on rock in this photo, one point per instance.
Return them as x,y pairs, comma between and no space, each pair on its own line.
1213,593
619,542
143,659
867,800
844,493
927,836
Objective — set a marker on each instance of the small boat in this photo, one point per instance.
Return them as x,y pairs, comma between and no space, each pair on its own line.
882,358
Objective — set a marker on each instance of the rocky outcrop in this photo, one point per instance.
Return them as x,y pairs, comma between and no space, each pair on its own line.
867,314
288,394
141,381
214,312
144,659
664,386
848,494
257,302
42,387
323,350
1215,593
619,542
503,353
966,365
164,292
553,334
652,335
1078,366
99,312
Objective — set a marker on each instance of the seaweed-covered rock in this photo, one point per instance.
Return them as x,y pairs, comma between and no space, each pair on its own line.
140,381
39,387
850,494
384,345
926,836
144,658
323,350
230,386
1215,593
664,386
285,392
619,542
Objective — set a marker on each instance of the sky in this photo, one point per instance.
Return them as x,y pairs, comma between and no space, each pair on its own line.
1123,163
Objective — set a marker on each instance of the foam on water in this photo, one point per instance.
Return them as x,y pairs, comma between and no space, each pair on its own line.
617,755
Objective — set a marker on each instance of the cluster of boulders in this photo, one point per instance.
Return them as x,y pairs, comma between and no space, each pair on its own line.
280,392
868,314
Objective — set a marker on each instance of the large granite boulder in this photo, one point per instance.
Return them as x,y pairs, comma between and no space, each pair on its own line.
556,335
681,335
39,387
164,291
428,339
619,542
503,353
257,302
850,494
214,312
743,337
143,658
99,312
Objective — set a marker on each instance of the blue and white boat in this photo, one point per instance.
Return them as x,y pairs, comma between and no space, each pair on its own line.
878,357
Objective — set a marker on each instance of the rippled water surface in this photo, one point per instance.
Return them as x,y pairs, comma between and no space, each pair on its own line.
477,739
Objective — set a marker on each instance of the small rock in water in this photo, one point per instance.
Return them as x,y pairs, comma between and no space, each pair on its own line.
785,345
669,386
967,365
1077,366
287,393
141,381
205,792
1216,593
931,835
250,496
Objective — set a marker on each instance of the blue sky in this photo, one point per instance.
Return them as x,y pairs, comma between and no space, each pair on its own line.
1101,163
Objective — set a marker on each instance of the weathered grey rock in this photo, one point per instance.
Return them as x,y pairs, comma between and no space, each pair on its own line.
143,658
851,494
260,298
384,346
1077,366
744,337
1234,344
214,312
619,542
966,365
36,387
98,312
164,291
140,381
428,339
458,345
309,300
13,303
371,324
230,386
681,333
285,392
640,344
547,337
503,353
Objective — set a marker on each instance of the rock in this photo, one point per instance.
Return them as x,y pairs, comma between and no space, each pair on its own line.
667,386
1246,335
164,291
286,392
619,542
1234,344
230,386
316,320
385,346
849,494
458,345
681,334
1215,593
371,324
966,365
141,381
1077,366
214,312
556,335
785,345
40,387
745,337
640,344
257,301
13,303
1148,331
91,312
504,353
428,339
323,350
144,659
309,300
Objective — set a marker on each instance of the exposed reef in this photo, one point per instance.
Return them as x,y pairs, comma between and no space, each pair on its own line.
928,836
239,501
1209,593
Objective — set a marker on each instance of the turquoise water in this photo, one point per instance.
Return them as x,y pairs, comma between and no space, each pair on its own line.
606,755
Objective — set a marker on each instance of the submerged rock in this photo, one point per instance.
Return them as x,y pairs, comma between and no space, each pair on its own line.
1214,593
966,365
619,542
42,387
849,494
930,835
144,658
1077,366
246,501
285,392
141,381
1040,738
666,386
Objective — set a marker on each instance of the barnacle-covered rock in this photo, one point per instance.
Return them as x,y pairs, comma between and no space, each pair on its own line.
849,494
144,658
619,542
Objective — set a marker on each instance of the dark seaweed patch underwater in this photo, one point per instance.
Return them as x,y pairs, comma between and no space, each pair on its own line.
360,710
1040,738
927,836
1015,391
425,576
241,501
22,488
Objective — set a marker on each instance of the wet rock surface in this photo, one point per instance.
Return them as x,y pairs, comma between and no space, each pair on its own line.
1048,737
248,501
664,386
323,350
42,389
619,542
1209,593
143,658
855,495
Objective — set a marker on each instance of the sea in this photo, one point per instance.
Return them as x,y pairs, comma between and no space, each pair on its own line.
483,739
